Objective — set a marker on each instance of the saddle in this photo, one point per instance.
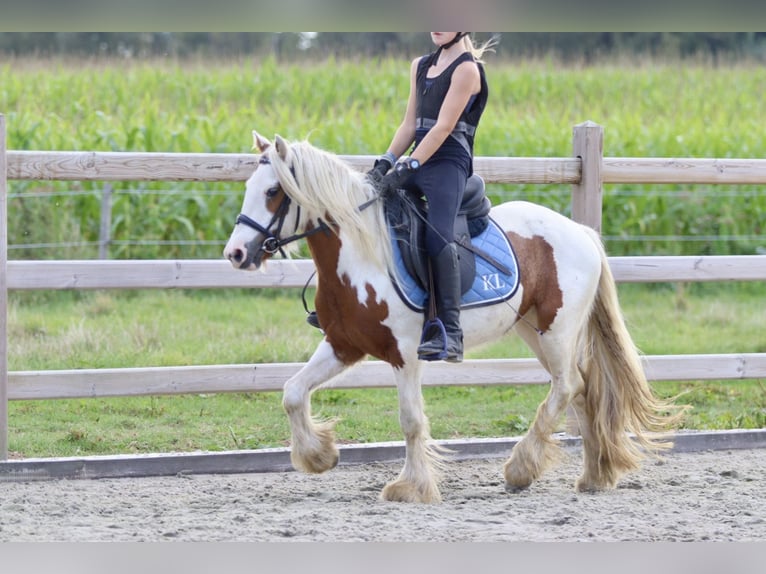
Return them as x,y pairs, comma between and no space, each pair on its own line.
407,213
489,271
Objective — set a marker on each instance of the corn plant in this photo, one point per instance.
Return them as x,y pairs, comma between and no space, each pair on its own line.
658,110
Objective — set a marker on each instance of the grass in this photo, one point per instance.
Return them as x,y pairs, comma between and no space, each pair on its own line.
157,328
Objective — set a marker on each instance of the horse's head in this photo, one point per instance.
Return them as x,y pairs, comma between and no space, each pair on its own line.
297,191
260,227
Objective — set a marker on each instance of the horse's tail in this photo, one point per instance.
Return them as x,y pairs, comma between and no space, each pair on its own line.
618,398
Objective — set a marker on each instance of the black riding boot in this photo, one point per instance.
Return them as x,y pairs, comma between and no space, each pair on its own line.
446,276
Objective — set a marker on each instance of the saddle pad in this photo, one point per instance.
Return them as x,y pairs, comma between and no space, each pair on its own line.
490,285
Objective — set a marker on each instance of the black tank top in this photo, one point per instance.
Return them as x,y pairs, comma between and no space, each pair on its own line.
430,96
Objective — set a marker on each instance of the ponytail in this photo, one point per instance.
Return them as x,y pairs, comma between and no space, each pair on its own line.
478,51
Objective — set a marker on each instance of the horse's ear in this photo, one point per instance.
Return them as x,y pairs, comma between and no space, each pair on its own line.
281,146
259,142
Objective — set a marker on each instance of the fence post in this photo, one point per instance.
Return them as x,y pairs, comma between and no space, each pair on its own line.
588,145
105,229
3,294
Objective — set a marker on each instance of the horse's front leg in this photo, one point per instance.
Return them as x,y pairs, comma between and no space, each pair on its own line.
419,479
313,441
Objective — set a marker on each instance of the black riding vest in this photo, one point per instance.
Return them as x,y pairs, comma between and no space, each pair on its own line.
430,97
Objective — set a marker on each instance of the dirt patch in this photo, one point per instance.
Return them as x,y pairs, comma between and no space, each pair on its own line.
711,495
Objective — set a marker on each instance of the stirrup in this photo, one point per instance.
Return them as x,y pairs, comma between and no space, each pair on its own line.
313,320
433,354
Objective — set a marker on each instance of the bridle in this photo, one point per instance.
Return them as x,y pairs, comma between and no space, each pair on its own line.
273,242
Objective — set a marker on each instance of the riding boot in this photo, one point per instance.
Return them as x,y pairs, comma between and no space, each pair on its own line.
446,276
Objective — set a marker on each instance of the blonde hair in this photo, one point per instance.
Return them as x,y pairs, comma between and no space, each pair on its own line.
478,51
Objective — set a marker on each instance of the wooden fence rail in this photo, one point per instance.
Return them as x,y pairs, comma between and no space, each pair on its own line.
153,166
100,383
586,171
219,274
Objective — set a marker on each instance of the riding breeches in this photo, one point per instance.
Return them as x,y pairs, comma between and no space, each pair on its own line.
443,184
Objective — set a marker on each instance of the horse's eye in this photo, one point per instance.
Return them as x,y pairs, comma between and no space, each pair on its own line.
272,191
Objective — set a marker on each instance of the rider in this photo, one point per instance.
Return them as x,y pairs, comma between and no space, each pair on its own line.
448,93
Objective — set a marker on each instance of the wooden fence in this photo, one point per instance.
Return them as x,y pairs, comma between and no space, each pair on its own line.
586,171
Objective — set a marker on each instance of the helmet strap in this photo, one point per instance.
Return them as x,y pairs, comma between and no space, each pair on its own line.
459,36
435,55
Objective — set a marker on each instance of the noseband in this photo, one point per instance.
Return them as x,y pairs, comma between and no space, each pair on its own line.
272,243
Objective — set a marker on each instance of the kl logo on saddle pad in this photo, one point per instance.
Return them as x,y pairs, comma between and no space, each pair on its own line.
490,285
492,282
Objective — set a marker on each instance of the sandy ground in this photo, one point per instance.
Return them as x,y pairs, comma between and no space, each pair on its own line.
712,495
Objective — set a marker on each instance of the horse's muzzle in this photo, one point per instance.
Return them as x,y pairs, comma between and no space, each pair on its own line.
238,258
242,257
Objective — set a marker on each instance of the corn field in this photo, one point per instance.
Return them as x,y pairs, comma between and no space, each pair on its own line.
652,110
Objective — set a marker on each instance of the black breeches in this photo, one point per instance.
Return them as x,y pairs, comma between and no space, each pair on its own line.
443,184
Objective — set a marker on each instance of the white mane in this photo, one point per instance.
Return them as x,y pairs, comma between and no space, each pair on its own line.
327,188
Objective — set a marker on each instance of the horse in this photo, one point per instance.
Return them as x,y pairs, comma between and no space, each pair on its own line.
566,309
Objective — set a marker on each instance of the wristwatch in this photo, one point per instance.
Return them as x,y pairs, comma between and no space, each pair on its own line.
410,164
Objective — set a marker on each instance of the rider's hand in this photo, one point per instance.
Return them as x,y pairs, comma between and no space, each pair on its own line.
379,169
394,180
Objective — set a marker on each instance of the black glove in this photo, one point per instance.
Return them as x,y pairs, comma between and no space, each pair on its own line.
393,181
379,169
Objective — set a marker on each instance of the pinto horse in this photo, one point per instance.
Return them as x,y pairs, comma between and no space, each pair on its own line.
565,308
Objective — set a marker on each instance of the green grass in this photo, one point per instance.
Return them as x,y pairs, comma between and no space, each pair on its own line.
164,328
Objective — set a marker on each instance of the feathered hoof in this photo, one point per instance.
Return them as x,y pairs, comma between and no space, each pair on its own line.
318,454
587,484
404,491
317,462
516,481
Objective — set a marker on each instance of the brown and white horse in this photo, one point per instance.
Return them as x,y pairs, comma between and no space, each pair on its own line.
565,308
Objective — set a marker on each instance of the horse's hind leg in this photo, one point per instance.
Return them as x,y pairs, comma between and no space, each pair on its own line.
534,453
418,480
592,478
313,442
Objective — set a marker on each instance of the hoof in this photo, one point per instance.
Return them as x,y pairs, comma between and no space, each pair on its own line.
515,479
317,463
315,453
587,485
401,491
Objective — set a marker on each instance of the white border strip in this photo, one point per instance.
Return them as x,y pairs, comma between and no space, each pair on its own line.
278,459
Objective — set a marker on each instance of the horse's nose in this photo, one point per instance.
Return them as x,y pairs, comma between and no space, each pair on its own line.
236,255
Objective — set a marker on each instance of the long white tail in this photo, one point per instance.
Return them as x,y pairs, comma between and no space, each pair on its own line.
618,398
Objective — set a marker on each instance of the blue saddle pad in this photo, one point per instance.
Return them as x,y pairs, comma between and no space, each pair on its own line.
490,285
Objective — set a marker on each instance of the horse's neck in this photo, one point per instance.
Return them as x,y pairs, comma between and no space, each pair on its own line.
325,250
